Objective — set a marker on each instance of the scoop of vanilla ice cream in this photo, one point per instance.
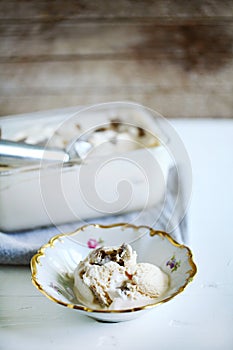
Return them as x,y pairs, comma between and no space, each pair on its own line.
98,278
101,280
109,277
150,280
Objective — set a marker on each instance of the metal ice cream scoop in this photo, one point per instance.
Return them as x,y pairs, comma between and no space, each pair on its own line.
20,153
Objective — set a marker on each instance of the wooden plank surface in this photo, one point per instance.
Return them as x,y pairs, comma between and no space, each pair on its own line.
173,56
127,9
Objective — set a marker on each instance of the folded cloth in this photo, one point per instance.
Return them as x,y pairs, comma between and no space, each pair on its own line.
17,248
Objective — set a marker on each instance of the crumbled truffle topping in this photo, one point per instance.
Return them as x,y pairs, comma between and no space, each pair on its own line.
119,255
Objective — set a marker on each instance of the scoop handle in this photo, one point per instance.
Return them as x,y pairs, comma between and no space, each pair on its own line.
15,153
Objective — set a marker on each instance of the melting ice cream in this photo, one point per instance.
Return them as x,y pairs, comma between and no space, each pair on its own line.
111,278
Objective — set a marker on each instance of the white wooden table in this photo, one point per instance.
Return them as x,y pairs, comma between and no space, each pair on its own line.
199,318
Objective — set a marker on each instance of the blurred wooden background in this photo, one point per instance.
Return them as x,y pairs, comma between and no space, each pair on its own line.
173,56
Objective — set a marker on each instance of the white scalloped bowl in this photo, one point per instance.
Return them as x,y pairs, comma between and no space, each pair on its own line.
54,264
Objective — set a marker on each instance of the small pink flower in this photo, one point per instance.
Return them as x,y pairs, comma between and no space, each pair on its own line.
92,243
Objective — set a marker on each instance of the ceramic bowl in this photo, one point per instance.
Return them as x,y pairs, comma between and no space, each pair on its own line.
54,264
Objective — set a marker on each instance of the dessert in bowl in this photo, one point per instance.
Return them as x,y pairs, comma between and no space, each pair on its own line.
112,273
110,278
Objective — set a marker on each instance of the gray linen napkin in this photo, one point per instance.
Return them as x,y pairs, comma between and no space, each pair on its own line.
17,248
